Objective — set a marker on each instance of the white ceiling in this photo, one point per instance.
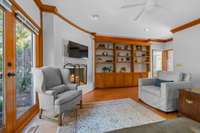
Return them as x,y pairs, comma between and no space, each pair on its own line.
120,22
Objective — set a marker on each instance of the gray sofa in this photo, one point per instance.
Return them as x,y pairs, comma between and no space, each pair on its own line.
56,94
165,97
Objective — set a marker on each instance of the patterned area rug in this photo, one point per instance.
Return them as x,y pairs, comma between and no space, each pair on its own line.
106,116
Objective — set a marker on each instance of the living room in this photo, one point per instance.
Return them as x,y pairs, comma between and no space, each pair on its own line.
117,66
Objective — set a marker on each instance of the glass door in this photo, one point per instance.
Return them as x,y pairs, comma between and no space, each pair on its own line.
25,40
157,62
17,58
170,62
1,68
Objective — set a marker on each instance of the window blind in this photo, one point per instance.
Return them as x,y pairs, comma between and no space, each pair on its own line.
6,4
27,22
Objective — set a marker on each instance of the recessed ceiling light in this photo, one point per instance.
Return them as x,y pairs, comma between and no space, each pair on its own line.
146,29
95,17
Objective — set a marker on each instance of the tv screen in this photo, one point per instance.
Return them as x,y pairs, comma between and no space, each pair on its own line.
76,50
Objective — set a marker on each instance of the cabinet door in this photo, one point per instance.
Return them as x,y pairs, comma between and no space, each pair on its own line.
144,75
128,79
136,77
109,80
99,80
119,80
188,101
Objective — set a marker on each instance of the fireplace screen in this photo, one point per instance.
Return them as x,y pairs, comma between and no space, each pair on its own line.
78,75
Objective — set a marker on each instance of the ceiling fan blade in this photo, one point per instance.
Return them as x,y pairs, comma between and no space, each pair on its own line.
140,14
161,7
132,5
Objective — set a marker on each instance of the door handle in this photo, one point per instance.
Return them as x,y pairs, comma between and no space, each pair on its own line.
11,74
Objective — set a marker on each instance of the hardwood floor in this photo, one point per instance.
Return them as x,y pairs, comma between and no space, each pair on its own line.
119,93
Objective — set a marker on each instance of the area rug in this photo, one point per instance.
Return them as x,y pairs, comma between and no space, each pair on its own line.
106,116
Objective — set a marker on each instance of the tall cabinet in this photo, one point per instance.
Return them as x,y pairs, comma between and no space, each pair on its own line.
119,64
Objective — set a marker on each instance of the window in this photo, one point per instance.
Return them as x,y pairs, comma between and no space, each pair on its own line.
170,64
25,40
157,62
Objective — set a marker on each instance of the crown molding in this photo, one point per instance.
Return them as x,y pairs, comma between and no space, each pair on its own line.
141,41
186,26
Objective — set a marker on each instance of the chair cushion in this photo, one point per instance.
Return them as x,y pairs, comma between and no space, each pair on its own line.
52,77
159,81
154,90
171,76
67,96
57,90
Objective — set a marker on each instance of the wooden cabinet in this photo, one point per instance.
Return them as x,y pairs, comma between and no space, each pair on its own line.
128,79
189,104
108,80
117,80
99,80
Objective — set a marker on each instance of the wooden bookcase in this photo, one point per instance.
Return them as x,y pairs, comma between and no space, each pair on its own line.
119,64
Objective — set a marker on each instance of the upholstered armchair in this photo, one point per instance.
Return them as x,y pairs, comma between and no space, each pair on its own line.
56,94
165,96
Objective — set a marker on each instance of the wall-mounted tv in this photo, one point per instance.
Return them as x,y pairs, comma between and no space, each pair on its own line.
76,50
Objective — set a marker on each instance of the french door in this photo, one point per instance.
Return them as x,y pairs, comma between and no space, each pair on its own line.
2,89
17,58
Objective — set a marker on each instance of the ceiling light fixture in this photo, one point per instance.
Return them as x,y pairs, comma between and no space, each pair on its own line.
95,17
146,29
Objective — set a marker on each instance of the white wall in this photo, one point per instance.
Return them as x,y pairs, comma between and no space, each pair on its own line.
56,33
186,52
49,41
30,7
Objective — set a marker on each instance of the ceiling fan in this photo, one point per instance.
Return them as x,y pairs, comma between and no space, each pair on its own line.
149,4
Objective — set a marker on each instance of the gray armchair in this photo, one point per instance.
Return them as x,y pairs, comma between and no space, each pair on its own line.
56,94
164,97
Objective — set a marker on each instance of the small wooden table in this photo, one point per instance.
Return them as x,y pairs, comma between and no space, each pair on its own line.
189,103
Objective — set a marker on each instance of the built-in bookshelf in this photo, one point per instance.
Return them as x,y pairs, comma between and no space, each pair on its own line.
104,57
114,57
123,58
141,58
120,64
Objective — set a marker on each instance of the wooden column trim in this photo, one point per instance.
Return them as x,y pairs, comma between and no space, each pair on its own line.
10,102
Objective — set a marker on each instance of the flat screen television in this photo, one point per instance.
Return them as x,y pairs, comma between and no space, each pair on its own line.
76,50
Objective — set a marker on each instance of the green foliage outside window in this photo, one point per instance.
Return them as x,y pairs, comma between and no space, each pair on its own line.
24,57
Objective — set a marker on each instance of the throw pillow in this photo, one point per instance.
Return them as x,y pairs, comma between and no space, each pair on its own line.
159,81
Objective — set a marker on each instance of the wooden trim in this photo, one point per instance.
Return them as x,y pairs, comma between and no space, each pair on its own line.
128,40
45,7
161,40
48,8
164,60
10,92
16,7
39,4
100,38
26,118
186,26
